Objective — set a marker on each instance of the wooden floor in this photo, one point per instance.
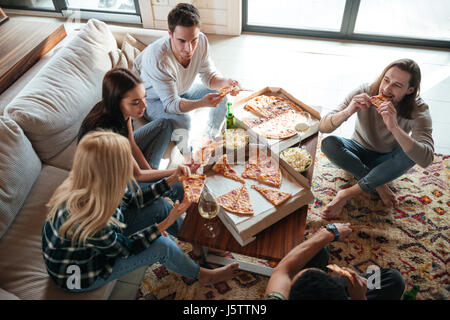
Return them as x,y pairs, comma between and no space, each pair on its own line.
22,43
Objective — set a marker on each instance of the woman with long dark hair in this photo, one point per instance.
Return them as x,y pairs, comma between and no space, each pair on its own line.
123,98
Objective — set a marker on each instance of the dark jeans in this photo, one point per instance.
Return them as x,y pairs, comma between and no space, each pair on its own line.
372,169
153,139
391,281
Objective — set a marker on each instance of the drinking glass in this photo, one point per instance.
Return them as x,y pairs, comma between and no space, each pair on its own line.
208,209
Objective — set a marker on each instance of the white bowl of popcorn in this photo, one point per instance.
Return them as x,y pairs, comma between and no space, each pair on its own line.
297,158
235,139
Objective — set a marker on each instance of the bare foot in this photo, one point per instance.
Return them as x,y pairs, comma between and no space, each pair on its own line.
387,196
210,276
334,208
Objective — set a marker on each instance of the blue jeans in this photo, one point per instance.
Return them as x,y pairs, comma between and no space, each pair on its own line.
163,250
372,169
155,110
153,139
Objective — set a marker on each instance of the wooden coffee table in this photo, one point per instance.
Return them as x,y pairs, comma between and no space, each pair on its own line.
272,243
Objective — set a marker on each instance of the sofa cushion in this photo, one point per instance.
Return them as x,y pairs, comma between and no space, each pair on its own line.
124,57
22,268
52,106
19,168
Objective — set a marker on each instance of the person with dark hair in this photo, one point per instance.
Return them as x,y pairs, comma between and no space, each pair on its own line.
123,98
303,274
388,140
169,67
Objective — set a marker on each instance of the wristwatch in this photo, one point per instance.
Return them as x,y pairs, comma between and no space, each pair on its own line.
332,228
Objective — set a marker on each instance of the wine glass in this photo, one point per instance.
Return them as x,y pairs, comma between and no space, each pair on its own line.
208,209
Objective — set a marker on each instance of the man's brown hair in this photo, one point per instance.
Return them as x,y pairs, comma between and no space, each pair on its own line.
409,102
185,15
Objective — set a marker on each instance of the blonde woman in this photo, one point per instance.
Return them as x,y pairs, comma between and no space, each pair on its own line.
99,227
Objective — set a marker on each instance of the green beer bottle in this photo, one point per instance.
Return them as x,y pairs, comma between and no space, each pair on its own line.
230,116
411,294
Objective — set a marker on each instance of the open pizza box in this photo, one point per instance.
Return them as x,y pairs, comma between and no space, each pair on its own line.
276,144
245,227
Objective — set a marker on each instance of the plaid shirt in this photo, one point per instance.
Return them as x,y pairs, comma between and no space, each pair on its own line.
96,258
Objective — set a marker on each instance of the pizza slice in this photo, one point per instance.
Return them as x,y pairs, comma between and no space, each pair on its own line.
271,177
263,168
203,155
223,167
378,100
259,106
275,197
342,272
281,127
236,201
193,186
226,90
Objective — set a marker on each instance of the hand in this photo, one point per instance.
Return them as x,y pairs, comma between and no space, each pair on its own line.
178,210
234,83
359,102
193,167
211,100
359,289
182,170
344,230
389,115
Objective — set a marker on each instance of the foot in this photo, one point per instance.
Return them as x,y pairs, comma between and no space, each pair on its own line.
211,276
387,196
334,208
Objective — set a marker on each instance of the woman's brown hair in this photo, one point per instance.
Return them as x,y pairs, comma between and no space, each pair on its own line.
409,102
116,83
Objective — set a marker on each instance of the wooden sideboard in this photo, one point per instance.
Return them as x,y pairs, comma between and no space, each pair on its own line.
22,43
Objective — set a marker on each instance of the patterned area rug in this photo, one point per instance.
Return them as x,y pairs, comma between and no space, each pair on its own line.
412,238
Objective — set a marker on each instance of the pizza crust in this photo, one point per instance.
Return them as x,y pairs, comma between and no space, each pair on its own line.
342,272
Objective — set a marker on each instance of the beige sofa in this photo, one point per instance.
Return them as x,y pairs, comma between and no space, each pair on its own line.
37,143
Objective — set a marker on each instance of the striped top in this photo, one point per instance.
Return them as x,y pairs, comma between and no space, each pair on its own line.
96,258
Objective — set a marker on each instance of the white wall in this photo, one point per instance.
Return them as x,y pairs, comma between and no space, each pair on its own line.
218,16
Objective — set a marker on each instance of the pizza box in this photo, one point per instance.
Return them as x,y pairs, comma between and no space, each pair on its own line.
245,227
276,144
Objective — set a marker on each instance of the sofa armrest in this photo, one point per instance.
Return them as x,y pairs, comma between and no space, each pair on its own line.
5,295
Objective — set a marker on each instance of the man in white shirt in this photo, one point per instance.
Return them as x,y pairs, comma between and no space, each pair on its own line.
169,67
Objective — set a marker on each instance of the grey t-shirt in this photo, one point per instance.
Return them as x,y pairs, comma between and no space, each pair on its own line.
372,133
165,78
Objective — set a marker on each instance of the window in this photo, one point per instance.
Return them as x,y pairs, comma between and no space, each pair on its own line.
300,14
126,11
415,18
412,22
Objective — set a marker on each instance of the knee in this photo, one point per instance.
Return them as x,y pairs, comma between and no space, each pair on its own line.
330,145
164,248
166,125
396,282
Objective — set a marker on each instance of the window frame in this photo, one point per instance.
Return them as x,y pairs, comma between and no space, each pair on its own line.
347,31
62,9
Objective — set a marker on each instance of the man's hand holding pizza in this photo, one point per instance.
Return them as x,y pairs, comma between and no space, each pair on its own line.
359,102
357,288
389,115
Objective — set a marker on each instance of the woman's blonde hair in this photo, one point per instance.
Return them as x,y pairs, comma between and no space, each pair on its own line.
102,168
